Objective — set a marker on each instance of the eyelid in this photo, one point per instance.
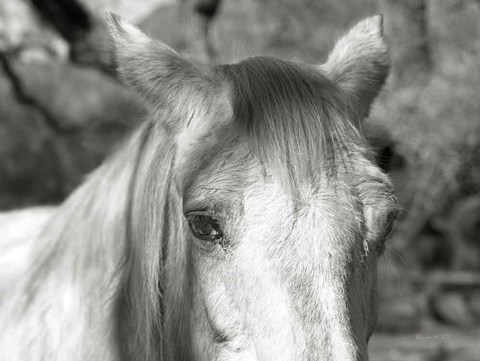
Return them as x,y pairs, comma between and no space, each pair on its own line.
198,207
203,212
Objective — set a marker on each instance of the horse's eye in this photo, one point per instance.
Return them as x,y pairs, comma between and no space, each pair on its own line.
390,222
204,227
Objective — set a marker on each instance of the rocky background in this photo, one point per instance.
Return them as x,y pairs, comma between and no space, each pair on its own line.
62,111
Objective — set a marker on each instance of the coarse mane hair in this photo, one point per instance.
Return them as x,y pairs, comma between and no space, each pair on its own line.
296,120
154,224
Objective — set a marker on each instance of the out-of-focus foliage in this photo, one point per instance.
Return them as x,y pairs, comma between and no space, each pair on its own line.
303,30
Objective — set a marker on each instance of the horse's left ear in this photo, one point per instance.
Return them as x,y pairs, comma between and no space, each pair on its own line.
156,71
359,63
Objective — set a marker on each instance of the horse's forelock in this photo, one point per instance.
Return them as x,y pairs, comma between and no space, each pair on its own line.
296,120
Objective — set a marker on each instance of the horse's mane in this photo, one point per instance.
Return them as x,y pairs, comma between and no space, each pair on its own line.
77,264
298,123
153,222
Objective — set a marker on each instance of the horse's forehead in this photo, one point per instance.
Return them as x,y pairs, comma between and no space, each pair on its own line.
224,167
235,179
318,206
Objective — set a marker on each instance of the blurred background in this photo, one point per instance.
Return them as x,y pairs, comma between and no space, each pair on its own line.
62,111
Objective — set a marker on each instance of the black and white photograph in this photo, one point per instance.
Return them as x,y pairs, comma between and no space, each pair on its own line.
240,180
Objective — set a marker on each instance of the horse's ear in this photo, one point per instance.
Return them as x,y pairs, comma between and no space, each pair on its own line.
359,63
153,69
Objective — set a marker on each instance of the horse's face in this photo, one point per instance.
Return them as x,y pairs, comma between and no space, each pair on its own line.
277,279
283,213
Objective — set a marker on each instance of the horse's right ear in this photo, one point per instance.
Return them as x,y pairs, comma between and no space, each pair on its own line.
153,69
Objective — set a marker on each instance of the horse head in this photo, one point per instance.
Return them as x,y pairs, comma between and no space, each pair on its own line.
258,214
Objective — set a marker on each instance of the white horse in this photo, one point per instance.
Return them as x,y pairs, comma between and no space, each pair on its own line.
242,221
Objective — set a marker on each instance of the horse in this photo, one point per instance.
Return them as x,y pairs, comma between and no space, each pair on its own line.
242,220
